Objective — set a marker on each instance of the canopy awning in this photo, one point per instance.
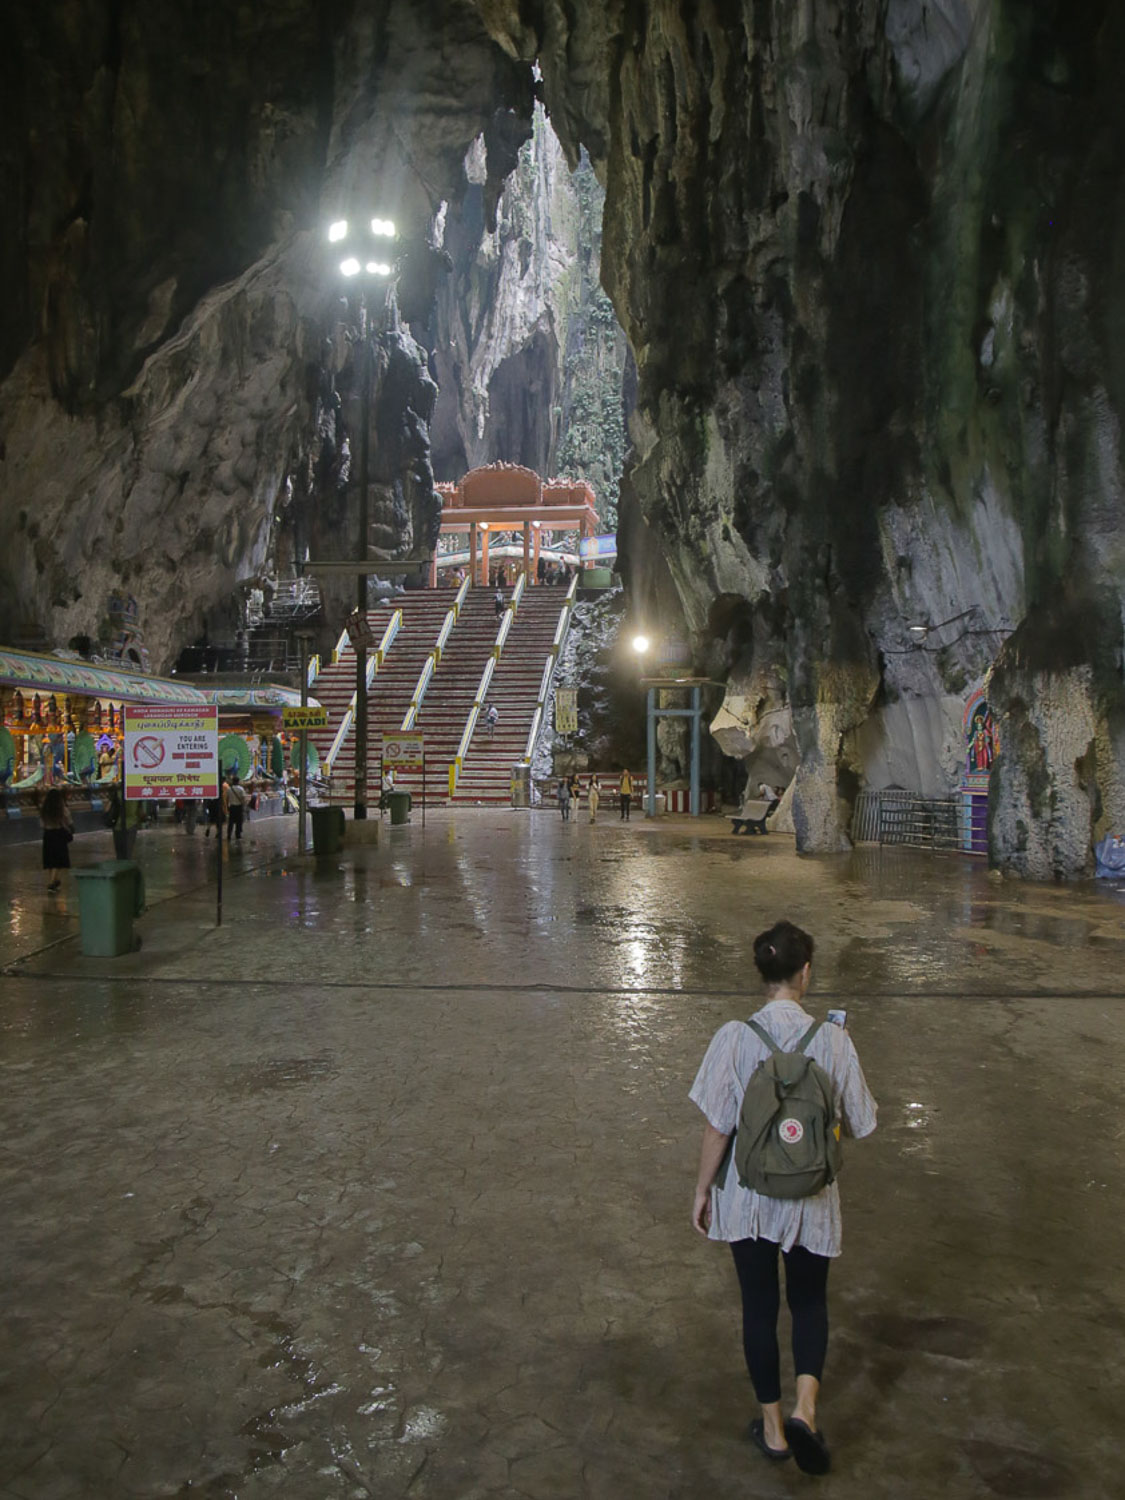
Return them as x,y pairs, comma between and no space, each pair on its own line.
31,672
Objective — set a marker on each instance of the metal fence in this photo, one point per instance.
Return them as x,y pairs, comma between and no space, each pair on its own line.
905,818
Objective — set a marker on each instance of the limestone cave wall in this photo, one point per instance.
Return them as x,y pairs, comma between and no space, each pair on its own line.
868,254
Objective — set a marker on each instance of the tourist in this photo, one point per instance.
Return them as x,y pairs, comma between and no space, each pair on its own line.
217,810
58,831
626,795
564,798
498,603
805,1229
387,788
236,807
491,715
593,797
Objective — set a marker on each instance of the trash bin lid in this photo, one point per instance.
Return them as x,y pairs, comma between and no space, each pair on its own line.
107,869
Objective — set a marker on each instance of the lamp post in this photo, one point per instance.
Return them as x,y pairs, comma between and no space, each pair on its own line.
361,264
640,646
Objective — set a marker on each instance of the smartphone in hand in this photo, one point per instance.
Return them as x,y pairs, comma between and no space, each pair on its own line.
838,1017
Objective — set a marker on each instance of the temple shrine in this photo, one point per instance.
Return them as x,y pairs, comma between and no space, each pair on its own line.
510,501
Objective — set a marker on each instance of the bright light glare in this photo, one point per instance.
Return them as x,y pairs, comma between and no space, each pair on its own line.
384,228
350,267
484,525
338,230
378,268
640,644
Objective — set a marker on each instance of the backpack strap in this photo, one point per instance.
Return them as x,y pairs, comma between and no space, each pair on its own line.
764,1035
802,1045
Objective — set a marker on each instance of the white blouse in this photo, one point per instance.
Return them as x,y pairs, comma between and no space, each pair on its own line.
738,1213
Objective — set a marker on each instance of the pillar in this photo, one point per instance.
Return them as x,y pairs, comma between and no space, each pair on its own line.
526,551
472,553
433,569
484,559
538,533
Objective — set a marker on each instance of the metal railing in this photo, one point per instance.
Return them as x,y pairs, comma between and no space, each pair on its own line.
411,716
545,683
374,664
485,681
893,817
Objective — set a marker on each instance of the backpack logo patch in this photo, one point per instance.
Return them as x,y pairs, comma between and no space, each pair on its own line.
791,1131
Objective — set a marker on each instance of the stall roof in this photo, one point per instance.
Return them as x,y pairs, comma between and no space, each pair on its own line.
258,695
29,671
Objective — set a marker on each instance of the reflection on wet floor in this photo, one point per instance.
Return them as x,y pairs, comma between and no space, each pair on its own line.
381,1189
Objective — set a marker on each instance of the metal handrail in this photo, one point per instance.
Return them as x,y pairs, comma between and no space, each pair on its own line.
443,634
485,679
314,668
419,692
374,664
545,682
462,593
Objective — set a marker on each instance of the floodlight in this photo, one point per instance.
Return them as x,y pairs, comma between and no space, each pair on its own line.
338,230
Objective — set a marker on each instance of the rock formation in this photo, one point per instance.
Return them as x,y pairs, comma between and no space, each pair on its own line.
867,256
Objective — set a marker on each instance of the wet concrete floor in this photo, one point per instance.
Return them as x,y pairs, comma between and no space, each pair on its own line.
383,1188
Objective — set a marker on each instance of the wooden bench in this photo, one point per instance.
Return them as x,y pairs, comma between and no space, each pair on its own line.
752,816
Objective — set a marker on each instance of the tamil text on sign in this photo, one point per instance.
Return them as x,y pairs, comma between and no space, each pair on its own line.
304,718
171,752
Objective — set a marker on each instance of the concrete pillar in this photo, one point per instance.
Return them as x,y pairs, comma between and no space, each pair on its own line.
472,554
484,559
526,550
538,530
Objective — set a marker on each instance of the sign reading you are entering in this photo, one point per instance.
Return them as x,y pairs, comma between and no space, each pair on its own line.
404,752
171,752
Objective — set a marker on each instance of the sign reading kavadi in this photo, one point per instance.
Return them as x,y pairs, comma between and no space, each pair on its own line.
171,752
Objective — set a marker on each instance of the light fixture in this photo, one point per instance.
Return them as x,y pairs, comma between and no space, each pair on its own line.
377,268
919,632
536,525
338,230
350,267
383,228
482,525
640,644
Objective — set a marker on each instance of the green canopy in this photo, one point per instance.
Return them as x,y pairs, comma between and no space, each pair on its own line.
234,755
84,761
7,756
277,757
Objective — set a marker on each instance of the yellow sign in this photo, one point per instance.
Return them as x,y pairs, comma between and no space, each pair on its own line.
404,752
304,718
171,752
566,710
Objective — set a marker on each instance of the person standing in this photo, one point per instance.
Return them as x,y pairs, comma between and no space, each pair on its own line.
58,831
593,797
236,807
218,809
626,794
498,603
564,798
491,715
806,1230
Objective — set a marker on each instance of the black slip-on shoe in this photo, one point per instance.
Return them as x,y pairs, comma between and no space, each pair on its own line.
756,1432
810,1451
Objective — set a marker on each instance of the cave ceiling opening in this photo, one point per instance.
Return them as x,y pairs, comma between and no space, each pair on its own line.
867,259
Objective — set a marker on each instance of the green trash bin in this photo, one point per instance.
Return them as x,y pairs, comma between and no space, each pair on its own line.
110,895
327,829
399,804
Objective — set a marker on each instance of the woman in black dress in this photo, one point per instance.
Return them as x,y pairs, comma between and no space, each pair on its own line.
57,834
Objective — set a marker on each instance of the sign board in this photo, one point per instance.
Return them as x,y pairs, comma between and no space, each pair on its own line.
304,718
598,546
566,710
171,752
403,752
359,630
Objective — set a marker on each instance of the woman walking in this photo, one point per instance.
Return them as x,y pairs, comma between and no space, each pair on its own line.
594,796
805,1229
58,831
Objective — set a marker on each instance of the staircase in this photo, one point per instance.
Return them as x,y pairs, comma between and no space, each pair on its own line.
486,772
450,695
388,697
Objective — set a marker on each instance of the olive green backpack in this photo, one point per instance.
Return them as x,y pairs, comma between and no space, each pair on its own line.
786,1145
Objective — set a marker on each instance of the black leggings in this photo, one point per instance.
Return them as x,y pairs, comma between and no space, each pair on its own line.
806,1291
